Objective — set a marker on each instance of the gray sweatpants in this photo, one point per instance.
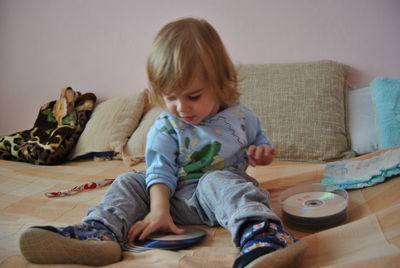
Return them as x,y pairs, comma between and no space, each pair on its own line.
218,198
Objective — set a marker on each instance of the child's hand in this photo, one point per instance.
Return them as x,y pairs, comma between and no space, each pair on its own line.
159,216
260,155
156,220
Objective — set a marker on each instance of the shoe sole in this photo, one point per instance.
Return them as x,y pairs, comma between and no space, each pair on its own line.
46,247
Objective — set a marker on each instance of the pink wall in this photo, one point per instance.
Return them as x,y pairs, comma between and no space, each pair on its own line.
101,45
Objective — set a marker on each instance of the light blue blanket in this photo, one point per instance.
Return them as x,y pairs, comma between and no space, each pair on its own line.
353,174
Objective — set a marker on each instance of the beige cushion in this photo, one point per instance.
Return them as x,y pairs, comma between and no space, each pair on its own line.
137,142
301,106
110,125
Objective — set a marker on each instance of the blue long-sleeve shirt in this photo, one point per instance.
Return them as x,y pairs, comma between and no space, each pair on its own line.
177,150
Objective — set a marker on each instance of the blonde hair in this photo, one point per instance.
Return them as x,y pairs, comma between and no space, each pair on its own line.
184,49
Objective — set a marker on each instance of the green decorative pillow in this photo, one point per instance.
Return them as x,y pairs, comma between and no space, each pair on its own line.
386,98
301,106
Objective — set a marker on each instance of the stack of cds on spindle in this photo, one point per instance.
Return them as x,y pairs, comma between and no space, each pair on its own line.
314,206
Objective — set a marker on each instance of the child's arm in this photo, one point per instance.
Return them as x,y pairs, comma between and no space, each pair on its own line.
260,150
260,155
159,216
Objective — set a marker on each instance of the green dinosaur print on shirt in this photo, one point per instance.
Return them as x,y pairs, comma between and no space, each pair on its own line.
169,131
202,161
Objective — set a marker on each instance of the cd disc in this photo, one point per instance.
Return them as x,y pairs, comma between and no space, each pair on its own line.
167,240
190,233
314,206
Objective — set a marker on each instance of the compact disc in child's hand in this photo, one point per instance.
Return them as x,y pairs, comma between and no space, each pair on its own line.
168,240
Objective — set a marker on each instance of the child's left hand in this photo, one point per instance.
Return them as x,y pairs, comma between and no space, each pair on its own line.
260,155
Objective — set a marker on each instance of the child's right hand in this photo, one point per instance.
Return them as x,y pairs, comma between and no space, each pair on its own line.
155,220
159,216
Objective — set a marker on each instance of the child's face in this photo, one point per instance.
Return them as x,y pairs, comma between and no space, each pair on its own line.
198,102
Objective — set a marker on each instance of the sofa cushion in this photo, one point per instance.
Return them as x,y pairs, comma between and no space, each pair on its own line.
301,106
136,144
386,98
111,124
361,119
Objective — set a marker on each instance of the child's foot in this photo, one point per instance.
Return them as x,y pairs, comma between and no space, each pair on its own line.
87,244
264,240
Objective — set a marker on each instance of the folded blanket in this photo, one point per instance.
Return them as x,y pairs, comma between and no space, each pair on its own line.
55,132
352,174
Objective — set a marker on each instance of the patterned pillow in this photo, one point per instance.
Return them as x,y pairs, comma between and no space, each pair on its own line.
301,106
